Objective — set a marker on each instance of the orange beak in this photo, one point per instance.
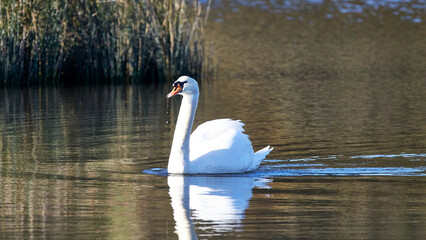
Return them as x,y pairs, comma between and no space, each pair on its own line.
177,89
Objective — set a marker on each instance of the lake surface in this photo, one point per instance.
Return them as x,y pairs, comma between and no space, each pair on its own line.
336,87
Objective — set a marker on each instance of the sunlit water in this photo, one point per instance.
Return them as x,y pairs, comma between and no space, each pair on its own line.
341,100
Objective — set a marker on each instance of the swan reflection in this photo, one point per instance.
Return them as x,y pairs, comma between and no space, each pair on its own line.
218,201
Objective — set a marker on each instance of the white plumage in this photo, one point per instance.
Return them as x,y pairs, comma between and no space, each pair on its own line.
217,146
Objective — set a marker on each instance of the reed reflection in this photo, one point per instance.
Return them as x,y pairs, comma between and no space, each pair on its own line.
218,201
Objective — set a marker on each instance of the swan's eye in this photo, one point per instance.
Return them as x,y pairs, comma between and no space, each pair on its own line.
179,84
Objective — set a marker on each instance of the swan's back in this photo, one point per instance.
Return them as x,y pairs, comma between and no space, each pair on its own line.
220,146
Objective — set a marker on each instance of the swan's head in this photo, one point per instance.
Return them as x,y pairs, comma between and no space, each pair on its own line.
184,86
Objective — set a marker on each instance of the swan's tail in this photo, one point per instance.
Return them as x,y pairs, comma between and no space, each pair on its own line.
260,155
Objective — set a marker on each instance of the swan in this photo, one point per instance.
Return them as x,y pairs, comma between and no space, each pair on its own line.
217,146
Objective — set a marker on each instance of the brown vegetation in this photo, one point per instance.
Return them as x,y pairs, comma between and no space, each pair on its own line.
50,42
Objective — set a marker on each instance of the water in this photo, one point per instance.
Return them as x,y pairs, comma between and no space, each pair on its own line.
340,99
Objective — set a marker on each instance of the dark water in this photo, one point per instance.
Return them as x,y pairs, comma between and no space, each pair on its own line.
336,87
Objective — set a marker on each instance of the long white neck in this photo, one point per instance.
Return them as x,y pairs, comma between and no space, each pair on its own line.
179,154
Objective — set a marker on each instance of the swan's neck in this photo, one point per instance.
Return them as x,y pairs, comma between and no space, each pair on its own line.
179,155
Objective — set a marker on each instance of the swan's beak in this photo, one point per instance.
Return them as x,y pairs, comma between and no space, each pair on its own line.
176,89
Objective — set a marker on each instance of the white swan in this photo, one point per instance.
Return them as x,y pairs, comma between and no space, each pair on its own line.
217,146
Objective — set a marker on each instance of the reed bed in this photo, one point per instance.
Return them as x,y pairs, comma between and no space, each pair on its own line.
50,42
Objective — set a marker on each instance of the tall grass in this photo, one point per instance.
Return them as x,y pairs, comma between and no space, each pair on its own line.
44,42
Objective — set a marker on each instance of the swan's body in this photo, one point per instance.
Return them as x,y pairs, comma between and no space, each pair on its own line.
217,146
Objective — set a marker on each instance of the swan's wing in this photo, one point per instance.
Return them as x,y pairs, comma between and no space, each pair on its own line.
219,134
220,146
214,128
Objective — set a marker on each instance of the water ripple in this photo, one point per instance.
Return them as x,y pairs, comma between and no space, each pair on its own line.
404,155
332,166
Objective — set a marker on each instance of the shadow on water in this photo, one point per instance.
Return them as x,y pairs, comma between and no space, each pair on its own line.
216,203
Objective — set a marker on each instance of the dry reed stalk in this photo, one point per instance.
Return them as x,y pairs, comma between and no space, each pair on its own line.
44,42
